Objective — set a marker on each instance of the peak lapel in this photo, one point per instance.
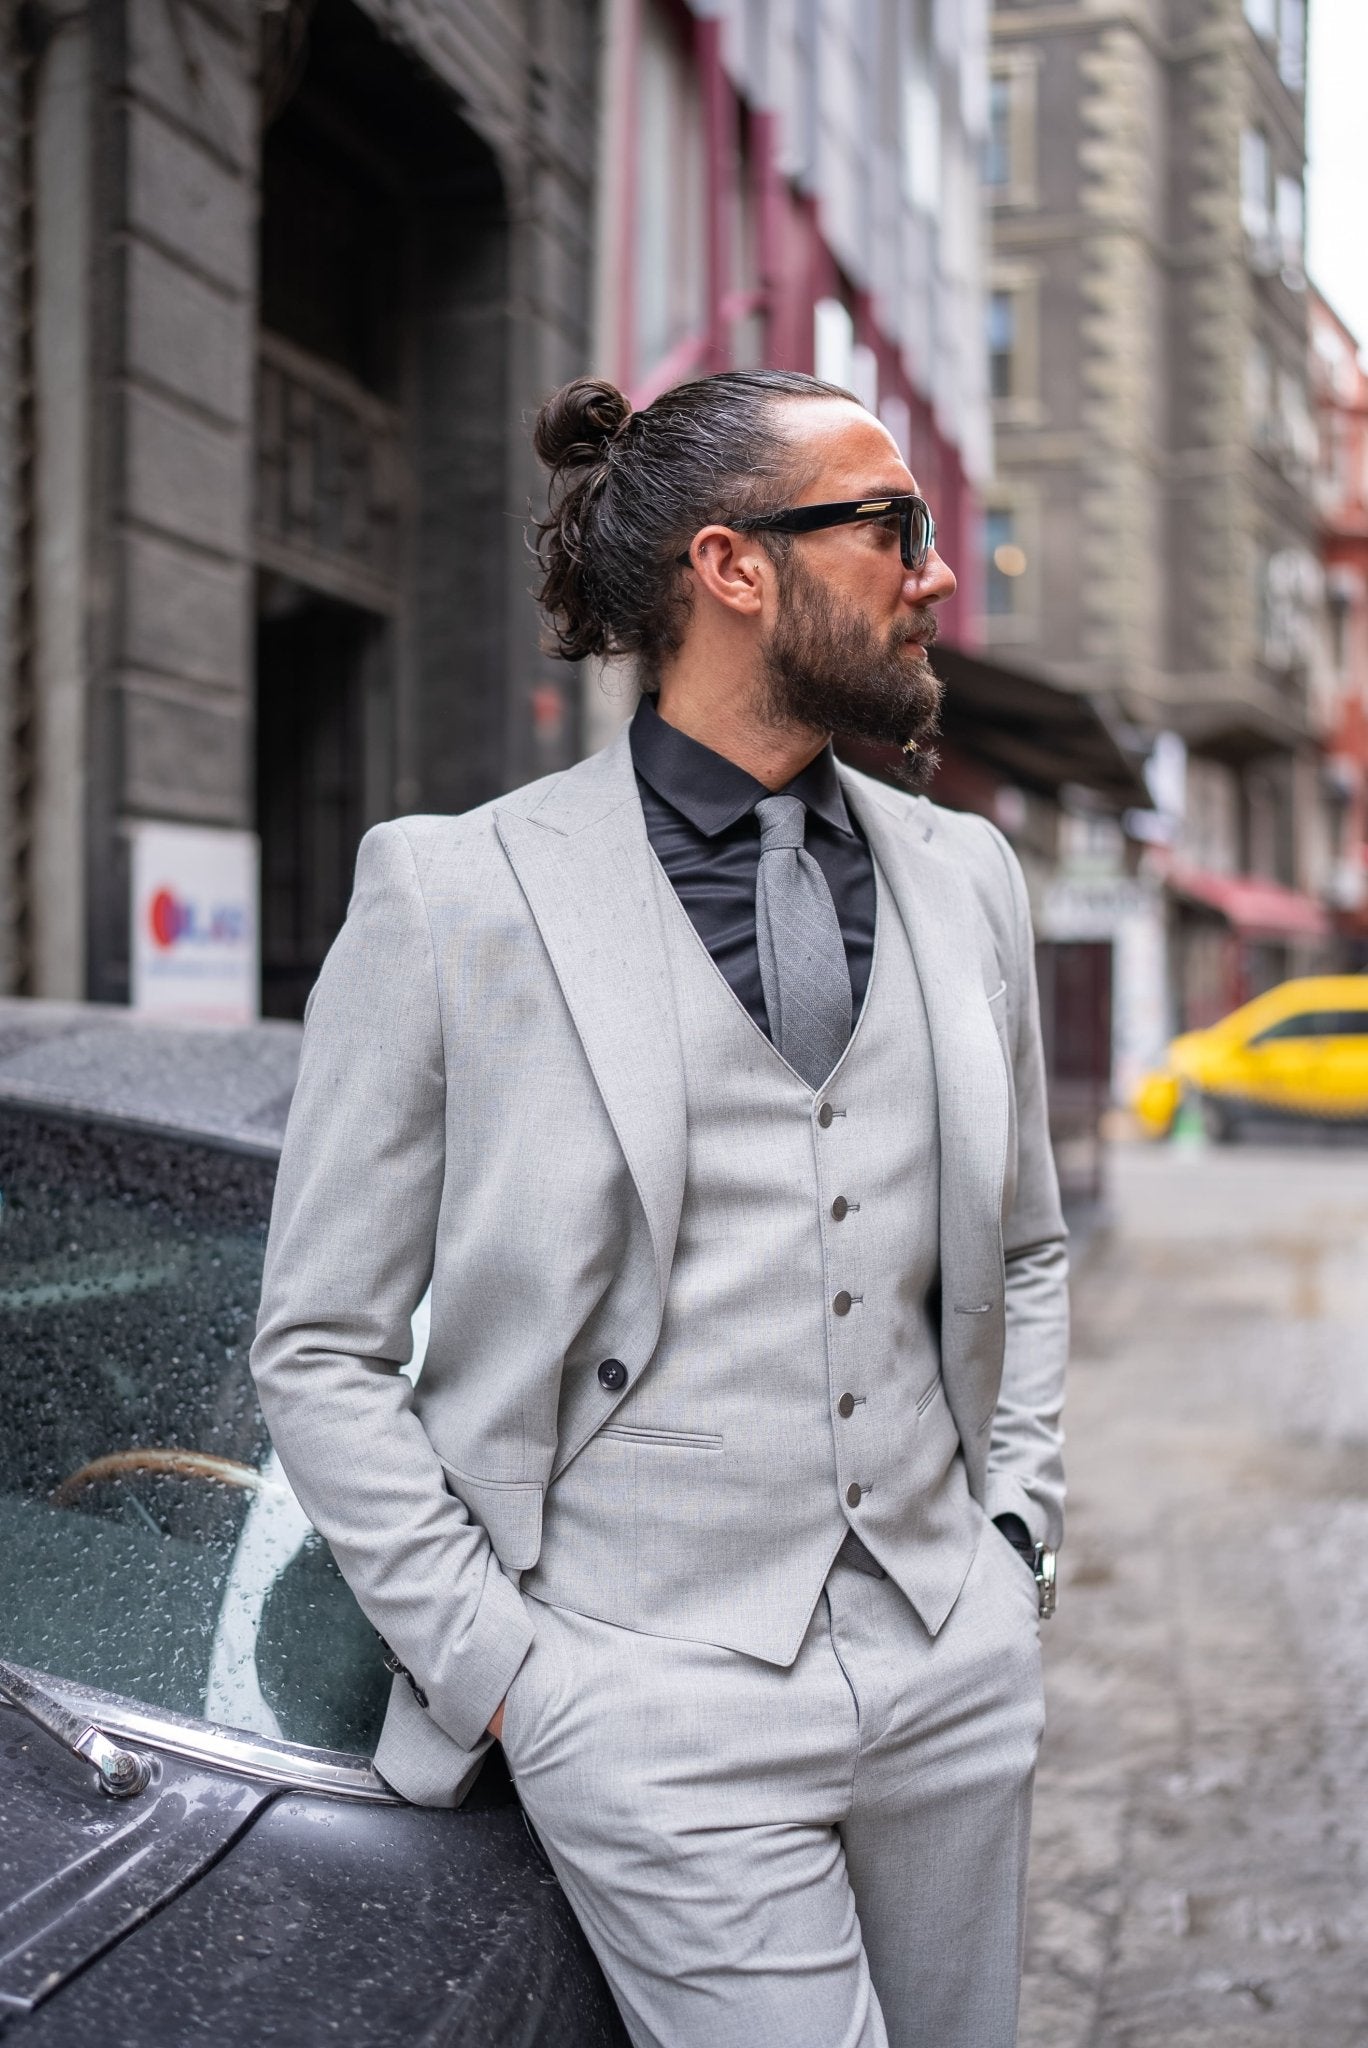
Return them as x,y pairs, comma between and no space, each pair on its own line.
583,861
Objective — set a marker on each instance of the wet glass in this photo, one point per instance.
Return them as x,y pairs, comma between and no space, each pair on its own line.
149,1543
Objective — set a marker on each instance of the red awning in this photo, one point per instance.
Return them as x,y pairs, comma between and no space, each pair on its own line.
1256,908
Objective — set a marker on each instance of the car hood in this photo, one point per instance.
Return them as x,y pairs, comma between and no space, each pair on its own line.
324,1919
78,1870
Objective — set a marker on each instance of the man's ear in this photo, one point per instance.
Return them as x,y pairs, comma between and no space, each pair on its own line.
733,570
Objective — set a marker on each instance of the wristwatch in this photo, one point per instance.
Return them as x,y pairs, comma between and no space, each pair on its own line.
1043,1564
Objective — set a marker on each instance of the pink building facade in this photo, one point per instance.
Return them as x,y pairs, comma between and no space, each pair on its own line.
1340,391
799,188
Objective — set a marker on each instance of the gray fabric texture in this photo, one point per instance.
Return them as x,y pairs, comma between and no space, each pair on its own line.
828,1855
492,1100
803,967
713,1502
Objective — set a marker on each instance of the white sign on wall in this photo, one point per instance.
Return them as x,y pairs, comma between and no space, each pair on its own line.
194,951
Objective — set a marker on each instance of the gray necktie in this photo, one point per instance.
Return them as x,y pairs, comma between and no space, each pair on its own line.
803,968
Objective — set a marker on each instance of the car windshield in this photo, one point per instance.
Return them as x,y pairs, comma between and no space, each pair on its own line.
149,1544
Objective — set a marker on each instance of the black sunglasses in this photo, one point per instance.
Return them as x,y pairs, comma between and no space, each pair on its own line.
916,527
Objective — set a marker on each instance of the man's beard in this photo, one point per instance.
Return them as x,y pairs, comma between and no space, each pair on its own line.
827,668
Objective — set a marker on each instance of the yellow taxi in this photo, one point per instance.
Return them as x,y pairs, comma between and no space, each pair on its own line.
1300,1049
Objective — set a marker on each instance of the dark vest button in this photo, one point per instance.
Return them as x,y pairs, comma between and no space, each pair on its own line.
841,1305
840,1208
846,1406
612,1374
824,1116
853,1496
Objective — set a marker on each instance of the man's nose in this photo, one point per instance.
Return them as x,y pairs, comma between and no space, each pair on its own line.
932,583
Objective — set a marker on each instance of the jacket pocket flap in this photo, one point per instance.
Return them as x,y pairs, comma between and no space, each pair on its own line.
508,1510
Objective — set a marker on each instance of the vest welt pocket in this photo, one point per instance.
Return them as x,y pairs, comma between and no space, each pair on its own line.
928,1395
508,1510
666,1439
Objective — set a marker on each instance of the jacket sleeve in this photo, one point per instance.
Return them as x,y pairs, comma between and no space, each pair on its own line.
350,1253
1025,1458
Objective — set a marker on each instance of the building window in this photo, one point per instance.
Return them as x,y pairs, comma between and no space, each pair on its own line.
1291,221
1009,143
1282,24
668,256
1256,183
1005,562
1259,392
921,116
1296,427
1292,44
1002,342
997,150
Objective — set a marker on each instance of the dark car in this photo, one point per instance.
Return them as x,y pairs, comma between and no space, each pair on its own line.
194,1846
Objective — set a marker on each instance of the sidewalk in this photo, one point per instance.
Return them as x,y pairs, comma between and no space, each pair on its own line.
1200,1873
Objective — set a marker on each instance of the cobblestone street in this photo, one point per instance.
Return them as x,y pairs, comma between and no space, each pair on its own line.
1200,1873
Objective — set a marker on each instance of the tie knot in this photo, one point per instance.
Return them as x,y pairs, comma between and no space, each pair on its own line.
783,820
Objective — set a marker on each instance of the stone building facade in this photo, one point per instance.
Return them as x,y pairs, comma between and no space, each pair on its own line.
1151,530
285,278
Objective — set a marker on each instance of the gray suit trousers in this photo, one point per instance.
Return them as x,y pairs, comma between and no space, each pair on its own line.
831,1855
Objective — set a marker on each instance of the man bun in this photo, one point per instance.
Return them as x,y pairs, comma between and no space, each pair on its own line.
577,422
628,491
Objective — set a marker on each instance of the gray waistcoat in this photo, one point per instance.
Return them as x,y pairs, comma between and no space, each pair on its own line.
713,1503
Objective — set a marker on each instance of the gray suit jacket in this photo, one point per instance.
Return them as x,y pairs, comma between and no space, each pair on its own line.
491,1036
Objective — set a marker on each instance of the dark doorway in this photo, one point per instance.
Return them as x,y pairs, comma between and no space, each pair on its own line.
382,533
322,770
1076,1023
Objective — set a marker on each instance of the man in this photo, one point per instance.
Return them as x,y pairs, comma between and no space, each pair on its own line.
703,1083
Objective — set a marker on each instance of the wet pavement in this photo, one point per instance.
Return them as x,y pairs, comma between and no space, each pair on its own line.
1200,1871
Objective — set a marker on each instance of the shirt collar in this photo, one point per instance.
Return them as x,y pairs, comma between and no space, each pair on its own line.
711,791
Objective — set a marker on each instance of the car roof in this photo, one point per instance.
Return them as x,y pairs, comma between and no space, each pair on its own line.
1350,989
231,1083
1286,998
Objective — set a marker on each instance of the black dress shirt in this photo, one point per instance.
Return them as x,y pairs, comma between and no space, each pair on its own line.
700,819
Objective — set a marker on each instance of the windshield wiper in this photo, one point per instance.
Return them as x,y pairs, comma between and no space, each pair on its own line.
121,1772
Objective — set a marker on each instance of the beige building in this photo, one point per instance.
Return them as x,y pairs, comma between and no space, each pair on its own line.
1150,535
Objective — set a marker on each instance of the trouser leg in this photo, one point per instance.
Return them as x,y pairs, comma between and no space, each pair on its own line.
689,1800
937,1834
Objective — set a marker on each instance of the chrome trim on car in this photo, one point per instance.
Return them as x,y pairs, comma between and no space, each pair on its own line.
230,1749
122,1772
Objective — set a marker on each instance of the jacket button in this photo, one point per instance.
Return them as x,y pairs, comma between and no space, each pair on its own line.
841,1305
853,1496
840,1208
846,1406
824,1116
612,1374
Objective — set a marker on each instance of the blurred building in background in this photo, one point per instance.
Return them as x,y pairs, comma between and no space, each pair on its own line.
798,186
283,279
802,186
1151,536
1340,390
